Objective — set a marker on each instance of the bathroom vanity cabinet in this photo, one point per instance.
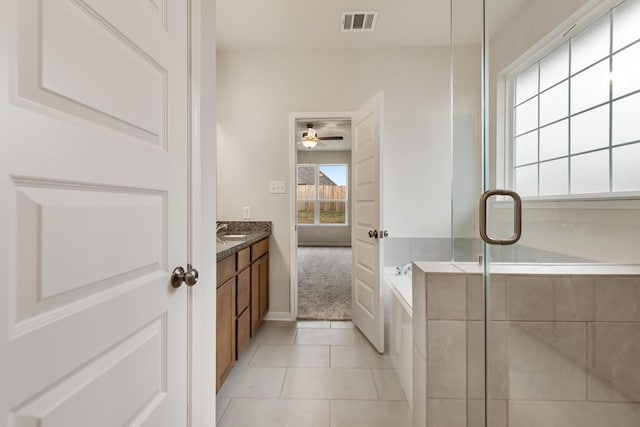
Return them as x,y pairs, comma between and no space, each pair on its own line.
242,302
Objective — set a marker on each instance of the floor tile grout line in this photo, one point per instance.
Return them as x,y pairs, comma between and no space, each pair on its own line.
375,384
223,411
253,354
284,379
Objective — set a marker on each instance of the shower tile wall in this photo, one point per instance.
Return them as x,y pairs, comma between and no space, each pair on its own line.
563,350
401,250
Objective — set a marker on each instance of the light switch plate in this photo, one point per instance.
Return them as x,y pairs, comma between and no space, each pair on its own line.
277,187
246,213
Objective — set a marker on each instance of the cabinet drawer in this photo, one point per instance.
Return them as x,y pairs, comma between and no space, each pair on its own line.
244,290
243,329
244,258
226,268
259,249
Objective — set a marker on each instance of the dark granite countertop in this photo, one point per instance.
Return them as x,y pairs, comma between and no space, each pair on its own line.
248,232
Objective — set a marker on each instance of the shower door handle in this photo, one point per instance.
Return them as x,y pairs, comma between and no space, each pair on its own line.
517,217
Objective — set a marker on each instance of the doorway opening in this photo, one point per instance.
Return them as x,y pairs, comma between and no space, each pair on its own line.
323,218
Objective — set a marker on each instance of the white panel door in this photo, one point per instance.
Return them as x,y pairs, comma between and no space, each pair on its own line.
93,183
367,308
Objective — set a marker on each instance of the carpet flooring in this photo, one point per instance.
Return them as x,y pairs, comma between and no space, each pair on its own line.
324,283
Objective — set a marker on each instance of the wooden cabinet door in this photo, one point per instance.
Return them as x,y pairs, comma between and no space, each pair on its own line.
243,331
226,334
255,297
243,298
264,286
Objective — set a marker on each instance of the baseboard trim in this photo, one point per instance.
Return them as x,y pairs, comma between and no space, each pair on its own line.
278,316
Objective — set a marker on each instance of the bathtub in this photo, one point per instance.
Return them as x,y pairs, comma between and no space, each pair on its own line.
399,324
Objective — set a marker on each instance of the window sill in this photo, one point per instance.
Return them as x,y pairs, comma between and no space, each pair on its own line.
622,200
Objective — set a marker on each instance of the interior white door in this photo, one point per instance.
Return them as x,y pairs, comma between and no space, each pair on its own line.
93,182
367,244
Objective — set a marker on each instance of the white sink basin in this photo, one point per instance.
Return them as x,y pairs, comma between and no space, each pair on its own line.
233,236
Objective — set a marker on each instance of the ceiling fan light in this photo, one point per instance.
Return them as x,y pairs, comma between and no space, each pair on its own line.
309,142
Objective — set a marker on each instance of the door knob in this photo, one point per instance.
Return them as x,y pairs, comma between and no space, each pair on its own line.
179,275
373,234
383,234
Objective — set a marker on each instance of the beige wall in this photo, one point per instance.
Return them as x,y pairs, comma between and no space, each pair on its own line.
258,89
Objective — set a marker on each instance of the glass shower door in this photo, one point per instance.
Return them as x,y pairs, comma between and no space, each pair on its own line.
561,127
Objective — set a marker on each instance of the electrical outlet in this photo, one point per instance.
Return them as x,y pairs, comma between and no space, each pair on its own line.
277,187
246,213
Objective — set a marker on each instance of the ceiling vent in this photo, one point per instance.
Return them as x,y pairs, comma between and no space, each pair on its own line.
359,21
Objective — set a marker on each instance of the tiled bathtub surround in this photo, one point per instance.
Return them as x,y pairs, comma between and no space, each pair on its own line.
563,346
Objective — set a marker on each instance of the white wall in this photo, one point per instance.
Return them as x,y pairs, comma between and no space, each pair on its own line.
326,235
257,89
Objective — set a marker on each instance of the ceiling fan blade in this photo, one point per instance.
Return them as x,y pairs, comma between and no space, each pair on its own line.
330,138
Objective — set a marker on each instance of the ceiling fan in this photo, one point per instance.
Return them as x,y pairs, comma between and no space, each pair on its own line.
310,138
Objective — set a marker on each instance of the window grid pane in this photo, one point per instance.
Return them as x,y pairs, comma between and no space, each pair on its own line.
590,173
591,45
566,132
554,177
625,123
306,212
590,87
527,84
332,212
554,68
625,168
554,140
527,116
625,24
527,180
554,104
590,130
626,69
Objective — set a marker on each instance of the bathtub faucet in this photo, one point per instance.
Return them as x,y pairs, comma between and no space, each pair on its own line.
404,269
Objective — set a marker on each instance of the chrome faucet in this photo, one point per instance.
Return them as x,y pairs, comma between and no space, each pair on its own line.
404,269
220,226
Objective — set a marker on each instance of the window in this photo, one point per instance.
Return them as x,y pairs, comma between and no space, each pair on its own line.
576,112
322,194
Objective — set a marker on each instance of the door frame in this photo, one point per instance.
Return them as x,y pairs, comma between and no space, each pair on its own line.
293,231
201,140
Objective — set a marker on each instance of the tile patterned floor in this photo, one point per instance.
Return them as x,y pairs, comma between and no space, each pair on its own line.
312,374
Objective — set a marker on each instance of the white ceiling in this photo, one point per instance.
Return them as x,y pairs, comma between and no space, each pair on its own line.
313,24
285,24
326,128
